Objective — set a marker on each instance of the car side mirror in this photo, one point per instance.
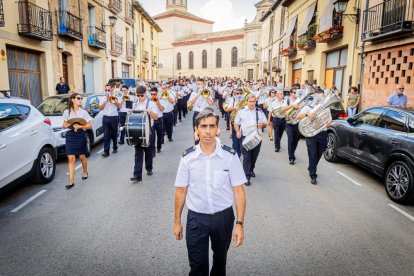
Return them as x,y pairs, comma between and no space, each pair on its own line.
351,121
94,112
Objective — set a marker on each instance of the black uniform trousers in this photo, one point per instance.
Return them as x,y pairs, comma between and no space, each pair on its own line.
220,103
293,139
202,227
168,120
122,120
175,113
316,146
236,142
110,129
227,116
156,134
249,159
194,118
182,108
186,98
139,159
279,126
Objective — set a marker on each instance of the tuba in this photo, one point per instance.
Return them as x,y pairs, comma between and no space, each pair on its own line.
240,104
292,113
310,127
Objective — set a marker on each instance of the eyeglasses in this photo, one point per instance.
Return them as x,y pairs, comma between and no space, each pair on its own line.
292,92
78,98
153,94
140,95
107,90
401,88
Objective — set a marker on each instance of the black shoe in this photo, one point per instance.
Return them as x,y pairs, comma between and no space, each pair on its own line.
252,174
150,173
121,143
170,140
136,179
115,151
175,124
85,177
247,183
179,121
291,162
313,181
70,186
158,151
104,155
277,150
227,128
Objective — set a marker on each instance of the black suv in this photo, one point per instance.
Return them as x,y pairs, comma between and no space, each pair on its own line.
380,139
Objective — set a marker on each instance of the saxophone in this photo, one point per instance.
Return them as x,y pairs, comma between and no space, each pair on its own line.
240,105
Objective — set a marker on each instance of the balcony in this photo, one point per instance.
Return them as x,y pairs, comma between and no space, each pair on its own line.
389,19
34,21
70,25
130,51
291,51
96,37
1,14
306,41
129,14
115,6
116,45
334,33
276,66
145,56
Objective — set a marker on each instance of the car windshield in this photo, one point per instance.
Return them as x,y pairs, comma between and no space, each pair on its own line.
128,82
55,106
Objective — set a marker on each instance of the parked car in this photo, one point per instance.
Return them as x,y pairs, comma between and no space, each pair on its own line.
380,139
53,108
132,83
27,143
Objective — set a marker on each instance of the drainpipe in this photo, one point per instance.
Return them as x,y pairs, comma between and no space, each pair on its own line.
82,50
134,48
361,66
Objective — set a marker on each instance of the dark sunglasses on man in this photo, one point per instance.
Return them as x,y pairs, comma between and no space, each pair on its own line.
140,95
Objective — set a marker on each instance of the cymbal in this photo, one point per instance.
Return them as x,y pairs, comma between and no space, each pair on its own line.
76,121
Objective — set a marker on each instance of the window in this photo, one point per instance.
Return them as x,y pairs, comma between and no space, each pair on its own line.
218,58
393,120
204,59
152,33
24,109
234,57
9,116
250,74
282,22
125,70
369,117
271,29
178,61
279,57
93,104
142,25
335,69
191,60
411,126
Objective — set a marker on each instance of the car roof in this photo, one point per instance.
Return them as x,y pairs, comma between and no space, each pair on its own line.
410,112
15,100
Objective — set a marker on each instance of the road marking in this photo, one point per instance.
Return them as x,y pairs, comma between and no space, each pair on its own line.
350,179
15,210
76,168
401,211
99,152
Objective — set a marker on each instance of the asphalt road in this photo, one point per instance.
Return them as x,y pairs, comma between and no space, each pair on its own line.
106,225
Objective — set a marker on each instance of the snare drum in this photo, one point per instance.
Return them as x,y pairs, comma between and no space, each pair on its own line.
252,140
138,130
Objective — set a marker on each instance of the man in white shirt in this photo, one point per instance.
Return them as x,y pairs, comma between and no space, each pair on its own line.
209,198
279,124
143,104
261,96
199,102
157,128
182,91
248,120
126,106
168,113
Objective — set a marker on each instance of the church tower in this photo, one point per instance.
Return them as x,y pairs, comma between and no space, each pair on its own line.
180,5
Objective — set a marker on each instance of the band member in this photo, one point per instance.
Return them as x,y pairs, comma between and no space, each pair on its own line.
248,120
232,106
261,96
292,130
76,137
182,91
266,104
279,124
168,113
148,106
198,189
173,89
126,105
157,129
197,101
227,94
317,144
109,120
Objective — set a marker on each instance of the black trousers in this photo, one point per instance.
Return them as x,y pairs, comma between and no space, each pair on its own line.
186,98
156,134
316,146
194,118
175,113
202,227
220,102
279,126
236,142
168,120
110,129
249,159
182,108
293,139
122,120
139,160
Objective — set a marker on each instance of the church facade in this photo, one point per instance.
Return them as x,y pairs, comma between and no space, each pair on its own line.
188,46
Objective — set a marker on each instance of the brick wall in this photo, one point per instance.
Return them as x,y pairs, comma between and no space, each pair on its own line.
383,70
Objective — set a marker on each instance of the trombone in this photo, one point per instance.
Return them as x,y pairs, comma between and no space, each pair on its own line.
112,98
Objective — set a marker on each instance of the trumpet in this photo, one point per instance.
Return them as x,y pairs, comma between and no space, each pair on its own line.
125,98
205,93
165,95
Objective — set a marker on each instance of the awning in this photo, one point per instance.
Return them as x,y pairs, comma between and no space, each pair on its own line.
292,25
310,12
325,22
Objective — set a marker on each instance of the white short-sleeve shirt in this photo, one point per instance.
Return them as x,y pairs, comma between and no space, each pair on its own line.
200,103
123,107
168,107
82,113
210,179
142,106
246,119
109,109
275,104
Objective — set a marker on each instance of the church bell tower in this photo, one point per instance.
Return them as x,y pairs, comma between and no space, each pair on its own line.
180,5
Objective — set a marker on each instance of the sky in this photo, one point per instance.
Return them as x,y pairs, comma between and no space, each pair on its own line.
227,14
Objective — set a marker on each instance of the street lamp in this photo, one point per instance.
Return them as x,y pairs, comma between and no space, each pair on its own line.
112,21
340,7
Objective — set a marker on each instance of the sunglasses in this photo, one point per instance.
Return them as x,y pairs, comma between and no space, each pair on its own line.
401,88
107,90
79,98
140,95
292,92
153,94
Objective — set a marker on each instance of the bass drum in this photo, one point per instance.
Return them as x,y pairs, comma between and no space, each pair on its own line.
138,130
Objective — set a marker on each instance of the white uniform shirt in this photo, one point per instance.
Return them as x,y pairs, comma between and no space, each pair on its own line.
110,109
158,110
210,179
275,104
263,93
142,106
269,100
82,113
246,119
168,107
182,91
279,86
200,103
123,107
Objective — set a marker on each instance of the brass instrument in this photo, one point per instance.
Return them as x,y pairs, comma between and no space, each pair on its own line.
292,113
278,112
165,95
205,93
240,104
125,98
225,106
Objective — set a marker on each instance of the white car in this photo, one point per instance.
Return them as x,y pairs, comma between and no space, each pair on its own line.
53,108
27,143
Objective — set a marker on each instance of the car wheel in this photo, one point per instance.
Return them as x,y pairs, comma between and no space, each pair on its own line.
45,166
331,152
399,182
88,145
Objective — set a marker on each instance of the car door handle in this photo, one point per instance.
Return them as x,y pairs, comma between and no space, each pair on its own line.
2,146
33,132
394,142
363,133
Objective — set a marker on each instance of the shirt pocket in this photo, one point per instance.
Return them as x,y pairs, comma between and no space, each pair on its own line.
221,178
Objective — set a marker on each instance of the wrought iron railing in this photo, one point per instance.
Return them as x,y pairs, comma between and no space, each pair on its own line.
115,6
116,44
1,14
388,18
34,21
129,13
96,37
130,53
70,25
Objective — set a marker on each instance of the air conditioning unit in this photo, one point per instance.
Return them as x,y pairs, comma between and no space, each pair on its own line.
60,44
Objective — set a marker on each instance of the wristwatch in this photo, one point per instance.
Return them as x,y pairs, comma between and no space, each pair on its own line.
240,222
